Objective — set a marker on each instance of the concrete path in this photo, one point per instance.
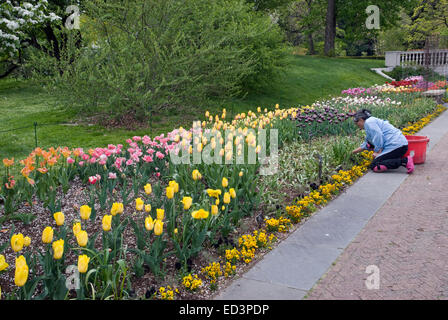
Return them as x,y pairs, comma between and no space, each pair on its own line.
393,221
380,71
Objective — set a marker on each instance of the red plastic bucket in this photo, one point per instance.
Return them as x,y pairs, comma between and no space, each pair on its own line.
417,144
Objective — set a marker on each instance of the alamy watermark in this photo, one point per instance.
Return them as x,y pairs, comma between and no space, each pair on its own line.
72,281
229,147
72,21
373,280
373,20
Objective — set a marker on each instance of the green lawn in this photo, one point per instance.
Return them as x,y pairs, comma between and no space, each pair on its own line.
306,80
309,79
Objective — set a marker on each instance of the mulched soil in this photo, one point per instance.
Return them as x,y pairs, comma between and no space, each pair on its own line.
143,286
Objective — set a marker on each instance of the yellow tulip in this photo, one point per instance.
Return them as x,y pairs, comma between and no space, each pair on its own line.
58,248
149,223
82,238
226,198
21,273
173,184
148,188
17,242
59,218
214,193
158,227
241,173
26,241
47,235
139,204
225,182
187,201
148,208
76,228
160,214
169,192
214,210
85,212
200,214
3,264
107,222
117,208
232,193
20,262
196,175
83,263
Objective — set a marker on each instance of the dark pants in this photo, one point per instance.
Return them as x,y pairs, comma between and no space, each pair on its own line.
392,160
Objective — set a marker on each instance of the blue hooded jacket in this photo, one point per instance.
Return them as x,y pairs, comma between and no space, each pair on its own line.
383,135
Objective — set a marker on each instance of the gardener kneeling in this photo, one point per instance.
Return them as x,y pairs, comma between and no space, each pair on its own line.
387,142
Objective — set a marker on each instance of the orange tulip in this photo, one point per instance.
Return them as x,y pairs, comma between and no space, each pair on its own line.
8,163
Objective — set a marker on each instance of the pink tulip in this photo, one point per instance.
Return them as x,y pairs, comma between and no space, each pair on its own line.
147,159
146,140
112,175
70,160
93,180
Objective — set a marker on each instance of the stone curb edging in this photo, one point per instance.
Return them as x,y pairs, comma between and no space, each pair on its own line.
380,72
296,264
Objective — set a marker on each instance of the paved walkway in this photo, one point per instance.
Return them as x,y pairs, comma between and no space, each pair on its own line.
393,221
407,240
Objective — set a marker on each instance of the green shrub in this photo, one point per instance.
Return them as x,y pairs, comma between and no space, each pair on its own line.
156,55
400,73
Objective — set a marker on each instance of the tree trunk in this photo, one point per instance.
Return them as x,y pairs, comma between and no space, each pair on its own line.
10,69
330,28
311,44
312,51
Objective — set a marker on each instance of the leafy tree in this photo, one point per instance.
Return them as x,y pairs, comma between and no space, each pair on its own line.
429,17
18,20
350,15
303,20
268,4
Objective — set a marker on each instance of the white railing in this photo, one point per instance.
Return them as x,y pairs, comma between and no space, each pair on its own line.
434,59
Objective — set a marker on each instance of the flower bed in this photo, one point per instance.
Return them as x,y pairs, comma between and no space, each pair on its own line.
135,224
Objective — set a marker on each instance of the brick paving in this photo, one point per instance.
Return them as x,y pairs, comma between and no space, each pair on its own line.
407,239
